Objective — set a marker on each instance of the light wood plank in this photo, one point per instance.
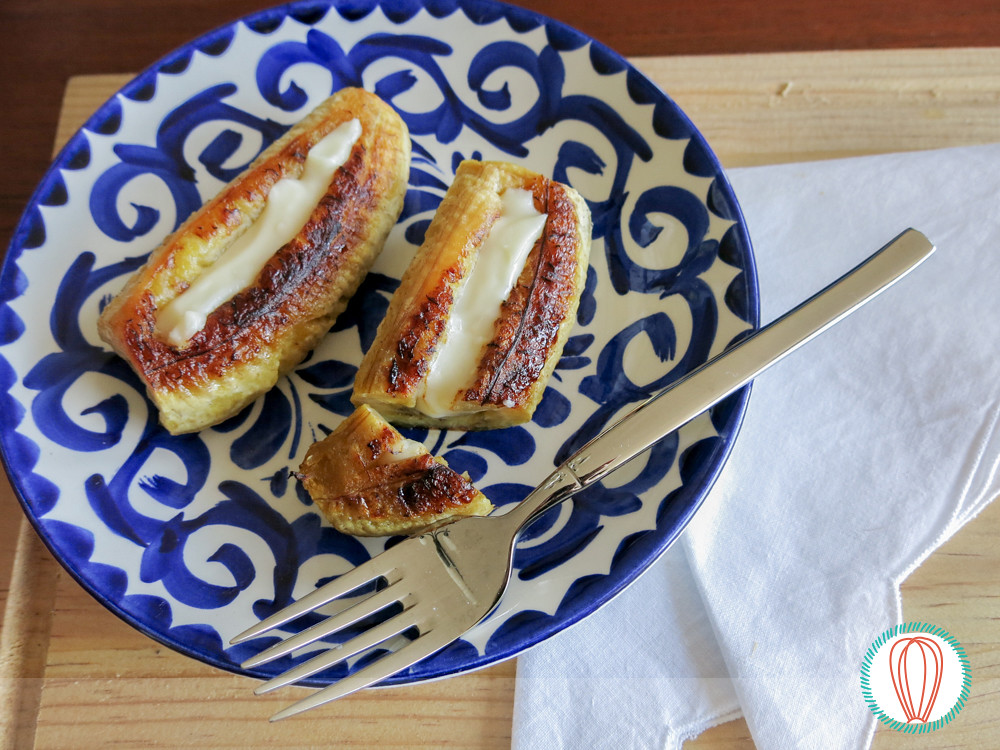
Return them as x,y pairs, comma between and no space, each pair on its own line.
770,109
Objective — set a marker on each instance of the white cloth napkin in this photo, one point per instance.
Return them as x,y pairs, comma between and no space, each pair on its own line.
860,454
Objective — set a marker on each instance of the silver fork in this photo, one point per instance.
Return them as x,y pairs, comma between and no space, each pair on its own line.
448,579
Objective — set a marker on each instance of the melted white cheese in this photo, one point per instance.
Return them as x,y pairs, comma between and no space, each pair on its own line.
498,263
289,205
400,450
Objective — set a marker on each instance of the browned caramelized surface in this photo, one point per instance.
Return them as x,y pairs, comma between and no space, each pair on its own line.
421,332
363,482
420,336
412,487
531,325
266,329
530,318
288,285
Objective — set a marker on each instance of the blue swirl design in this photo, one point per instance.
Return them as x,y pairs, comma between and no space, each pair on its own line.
58,371
446,121
166,161
152,501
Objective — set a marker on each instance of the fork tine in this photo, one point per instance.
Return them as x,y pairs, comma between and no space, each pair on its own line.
343,584
362,642
420,648
374,603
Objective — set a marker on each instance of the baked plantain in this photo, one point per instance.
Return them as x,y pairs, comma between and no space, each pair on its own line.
409,373
368,480
239,348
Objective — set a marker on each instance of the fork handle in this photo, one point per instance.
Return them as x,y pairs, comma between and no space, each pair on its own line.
705,386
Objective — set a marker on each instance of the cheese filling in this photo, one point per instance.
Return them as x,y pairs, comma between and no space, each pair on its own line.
499,262
289,205
401,450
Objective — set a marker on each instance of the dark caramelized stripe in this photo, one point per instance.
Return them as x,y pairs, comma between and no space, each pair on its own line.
415,487
381,442
288,286
420,334
531,316
420,337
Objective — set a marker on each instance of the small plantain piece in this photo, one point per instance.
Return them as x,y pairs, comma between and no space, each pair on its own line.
368,480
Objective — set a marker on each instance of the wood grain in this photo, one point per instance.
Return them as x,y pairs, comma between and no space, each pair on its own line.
768,109
73,675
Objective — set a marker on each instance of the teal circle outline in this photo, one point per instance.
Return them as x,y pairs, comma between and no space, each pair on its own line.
915,627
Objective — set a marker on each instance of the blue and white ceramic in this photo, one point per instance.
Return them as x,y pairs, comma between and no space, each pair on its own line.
192,539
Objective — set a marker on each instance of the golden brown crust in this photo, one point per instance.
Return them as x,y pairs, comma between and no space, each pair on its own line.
533,323
534,320
396,365
268,328
367,480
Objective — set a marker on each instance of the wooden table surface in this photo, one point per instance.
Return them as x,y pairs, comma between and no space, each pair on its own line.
765,82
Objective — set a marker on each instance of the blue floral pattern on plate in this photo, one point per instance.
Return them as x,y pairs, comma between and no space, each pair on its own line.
192,538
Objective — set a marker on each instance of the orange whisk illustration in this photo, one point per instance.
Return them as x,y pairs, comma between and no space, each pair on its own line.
916,665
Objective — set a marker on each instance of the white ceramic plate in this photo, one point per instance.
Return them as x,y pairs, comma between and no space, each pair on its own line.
191,539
